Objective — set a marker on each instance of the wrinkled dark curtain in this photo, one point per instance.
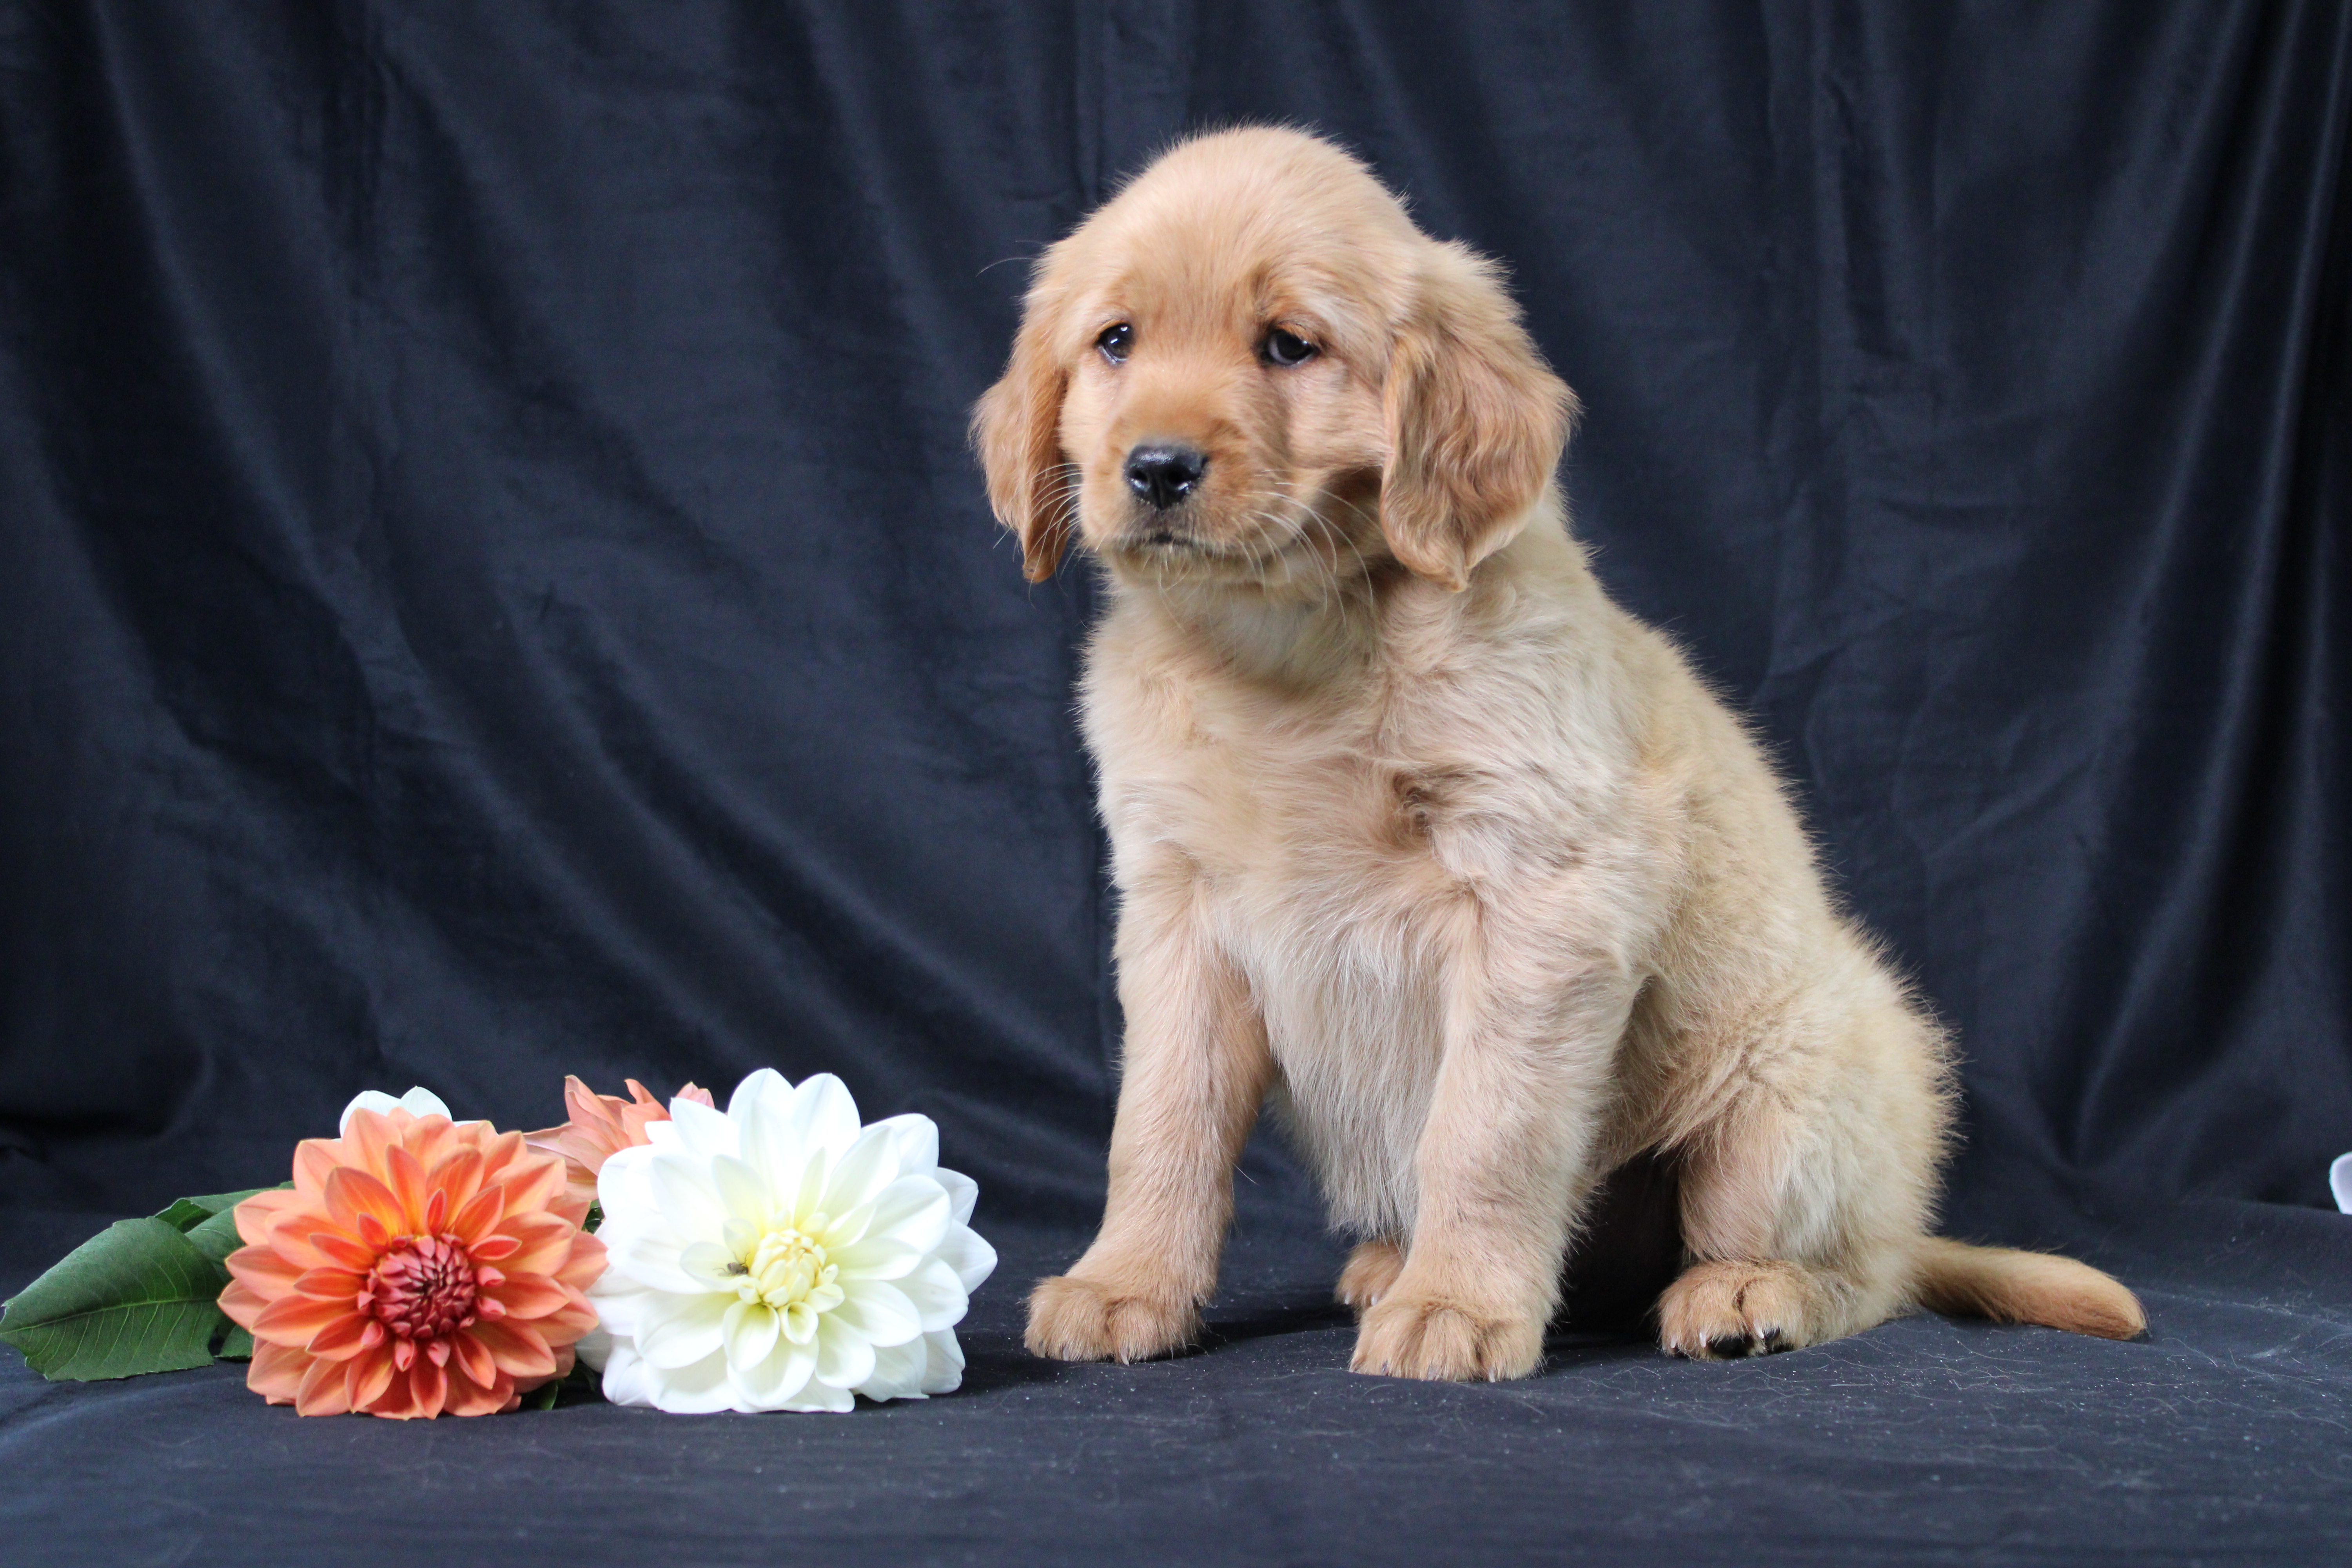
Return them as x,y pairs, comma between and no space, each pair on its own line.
492,586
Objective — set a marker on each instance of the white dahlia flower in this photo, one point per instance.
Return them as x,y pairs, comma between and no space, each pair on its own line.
776,1256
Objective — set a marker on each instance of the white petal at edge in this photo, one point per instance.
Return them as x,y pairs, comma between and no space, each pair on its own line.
943,1373
897,1371
936,1294
418,1101
823,1114
756,1084
912,1211
868,1166
918,1137
702,1132
962,1192
969,1254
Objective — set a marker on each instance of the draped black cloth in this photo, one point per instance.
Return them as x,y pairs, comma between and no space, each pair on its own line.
491,585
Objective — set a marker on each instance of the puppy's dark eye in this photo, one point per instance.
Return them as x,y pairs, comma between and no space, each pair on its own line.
1287,348
1115,341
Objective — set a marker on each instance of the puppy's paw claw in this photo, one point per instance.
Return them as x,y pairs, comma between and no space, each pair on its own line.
1071,1319
1724,1312
1371,1269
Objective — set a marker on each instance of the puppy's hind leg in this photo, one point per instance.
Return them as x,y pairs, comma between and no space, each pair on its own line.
1790,1242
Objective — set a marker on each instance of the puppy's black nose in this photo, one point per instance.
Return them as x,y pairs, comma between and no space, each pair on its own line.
1165,473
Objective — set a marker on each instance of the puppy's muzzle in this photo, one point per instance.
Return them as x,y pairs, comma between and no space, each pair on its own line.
1165,473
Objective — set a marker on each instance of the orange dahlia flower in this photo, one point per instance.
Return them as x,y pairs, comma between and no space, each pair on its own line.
602,1125
414,1266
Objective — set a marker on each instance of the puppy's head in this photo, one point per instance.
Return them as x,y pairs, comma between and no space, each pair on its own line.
1250,366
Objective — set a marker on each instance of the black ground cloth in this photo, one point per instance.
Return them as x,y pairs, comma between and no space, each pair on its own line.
493,588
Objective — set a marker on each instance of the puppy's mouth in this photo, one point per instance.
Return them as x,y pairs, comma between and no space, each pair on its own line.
1161,538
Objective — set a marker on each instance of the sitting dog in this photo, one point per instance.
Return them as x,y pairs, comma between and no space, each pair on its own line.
1419,835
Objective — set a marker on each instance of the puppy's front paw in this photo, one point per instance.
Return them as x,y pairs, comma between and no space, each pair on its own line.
1071,1319
1413,1335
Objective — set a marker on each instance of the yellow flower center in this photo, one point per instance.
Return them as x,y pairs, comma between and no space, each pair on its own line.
785,1270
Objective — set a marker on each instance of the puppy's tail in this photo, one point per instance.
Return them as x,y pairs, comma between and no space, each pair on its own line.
2012,1287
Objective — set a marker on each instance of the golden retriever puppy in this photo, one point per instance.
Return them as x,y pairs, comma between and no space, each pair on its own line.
1418,832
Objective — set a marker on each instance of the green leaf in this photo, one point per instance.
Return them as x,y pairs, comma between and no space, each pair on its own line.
580,1384
216,1237
237,1343
137,1297
595,1216
186,1213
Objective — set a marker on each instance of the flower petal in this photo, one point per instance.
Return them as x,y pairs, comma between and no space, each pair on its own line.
697,1390
352,1193
912,1210
342,1251
709,1265
458,1176
844,1358
627,1378
879,1311
366,1376
874,1257
254,1216
944,1372
345,1338
685,1333
823,1114
702,1132
294,1319
527,1295
773,1383
897,1371
962,1193
331,1284
421,1103
761,1111
869,1164
404,1175
819,1395
918,1137
474,1359
532,1182
645,1256
750,1332
742,1191
936,1294
971,1258
520,1351
429,1386
374,1100
321,1393
687,1200
277,1372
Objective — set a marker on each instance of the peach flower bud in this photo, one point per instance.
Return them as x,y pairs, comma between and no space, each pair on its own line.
602,1125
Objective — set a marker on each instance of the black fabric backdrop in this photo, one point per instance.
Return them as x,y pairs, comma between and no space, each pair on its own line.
494,587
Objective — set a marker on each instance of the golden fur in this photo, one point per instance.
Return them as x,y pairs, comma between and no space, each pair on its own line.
1419,834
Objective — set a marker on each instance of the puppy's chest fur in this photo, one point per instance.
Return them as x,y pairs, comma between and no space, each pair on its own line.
1330,838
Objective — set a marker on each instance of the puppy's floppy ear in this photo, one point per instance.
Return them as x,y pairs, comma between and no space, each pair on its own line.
1475,422
1016,430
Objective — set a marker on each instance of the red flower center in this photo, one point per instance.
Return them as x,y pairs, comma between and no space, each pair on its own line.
424,1288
